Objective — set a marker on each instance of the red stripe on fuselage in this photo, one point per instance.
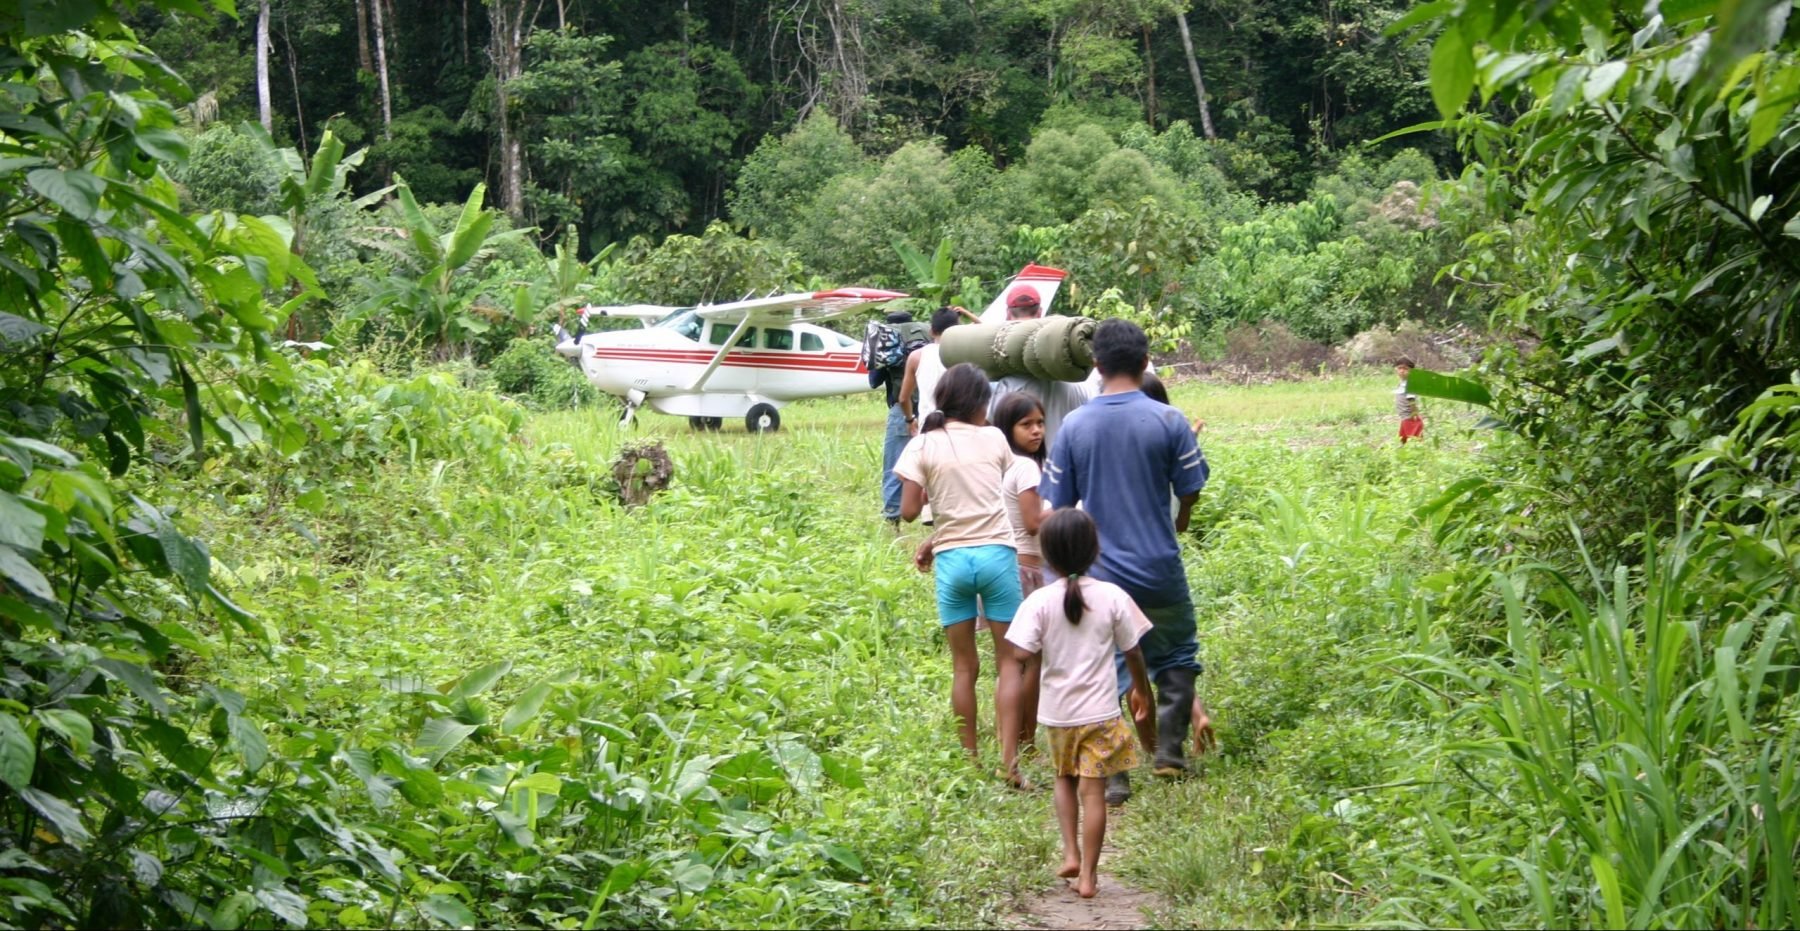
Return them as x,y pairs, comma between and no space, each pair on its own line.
848,363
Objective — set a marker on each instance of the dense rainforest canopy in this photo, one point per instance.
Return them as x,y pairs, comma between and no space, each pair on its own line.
628,118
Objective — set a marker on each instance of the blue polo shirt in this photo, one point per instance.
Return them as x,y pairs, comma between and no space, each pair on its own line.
1120,456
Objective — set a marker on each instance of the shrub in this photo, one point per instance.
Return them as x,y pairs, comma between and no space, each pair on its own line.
530,371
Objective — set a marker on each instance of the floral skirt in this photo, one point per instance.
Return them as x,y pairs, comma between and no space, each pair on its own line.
1095,751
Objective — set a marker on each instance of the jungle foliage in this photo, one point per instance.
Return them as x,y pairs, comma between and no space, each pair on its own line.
1539,671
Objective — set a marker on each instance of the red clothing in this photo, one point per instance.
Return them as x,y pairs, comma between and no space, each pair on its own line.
1411,427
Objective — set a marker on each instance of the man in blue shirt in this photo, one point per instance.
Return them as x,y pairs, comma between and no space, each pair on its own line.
1120,456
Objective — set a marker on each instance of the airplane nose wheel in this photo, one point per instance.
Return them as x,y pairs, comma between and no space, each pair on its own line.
763,418
711,424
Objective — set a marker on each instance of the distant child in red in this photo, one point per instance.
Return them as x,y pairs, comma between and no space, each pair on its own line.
1412,421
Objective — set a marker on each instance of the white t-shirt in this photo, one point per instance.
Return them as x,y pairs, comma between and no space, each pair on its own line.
1024,476
1079,685
931,368
961,468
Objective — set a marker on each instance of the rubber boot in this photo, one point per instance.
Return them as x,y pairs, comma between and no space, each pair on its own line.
1174,713
1118,789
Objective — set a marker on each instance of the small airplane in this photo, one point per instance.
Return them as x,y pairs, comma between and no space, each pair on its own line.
744,358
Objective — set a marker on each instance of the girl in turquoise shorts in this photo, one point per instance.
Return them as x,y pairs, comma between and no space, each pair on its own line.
956,463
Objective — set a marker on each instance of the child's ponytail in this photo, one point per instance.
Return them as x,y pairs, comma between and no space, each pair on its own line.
1070,545
1074,606
933,421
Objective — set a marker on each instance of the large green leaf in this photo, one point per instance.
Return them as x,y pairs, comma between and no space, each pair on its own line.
15,329
439,736
24,576
418,226
324,169
75,190
525,709
1452,72
18,753
20,526
480,679
471,230
48,17
60,814
1431,384
72,725
446,910
247,739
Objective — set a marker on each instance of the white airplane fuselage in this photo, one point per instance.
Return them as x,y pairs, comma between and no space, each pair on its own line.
659,365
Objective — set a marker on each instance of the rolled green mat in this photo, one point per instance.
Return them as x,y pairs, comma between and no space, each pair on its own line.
1002,349
969,342
1061,350
1011,343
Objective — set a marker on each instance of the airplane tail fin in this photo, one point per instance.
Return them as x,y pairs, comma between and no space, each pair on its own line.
1041,280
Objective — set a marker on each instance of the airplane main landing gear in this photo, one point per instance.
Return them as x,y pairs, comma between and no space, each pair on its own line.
763,418
706,423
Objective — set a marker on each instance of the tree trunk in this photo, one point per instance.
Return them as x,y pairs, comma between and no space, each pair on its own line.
1150,77
264,110
508,28
381,73
299,114
364,56
1187,44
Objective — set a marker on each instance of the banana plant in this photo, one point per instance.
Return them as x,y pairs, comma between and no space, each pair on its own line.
307,186
573,282
429,303
933,277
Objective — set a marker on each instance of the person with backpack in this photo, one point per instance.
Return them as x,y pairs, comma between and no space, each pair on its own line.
924,368
885,350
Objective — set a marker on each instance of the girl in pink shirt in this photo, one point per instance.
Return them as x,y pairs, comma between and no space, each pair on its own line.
1067,632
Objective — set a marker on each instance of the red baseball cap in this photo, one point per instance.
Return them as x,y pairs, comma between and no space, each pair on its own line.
1024,297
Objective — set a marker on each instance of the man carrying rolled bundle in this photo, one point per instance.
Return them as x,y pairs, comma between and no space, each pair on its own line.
1121,457
1059,398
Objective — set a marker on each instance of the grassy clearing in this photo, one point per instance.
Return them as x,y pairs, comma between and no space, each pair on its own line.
750,675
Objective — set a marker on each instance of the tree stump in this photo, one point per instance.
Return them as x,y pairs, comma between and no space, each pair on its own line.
640,471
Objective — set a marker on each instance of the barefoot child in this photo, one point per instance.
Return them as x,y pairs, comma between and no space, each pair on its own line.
958,462
1068,630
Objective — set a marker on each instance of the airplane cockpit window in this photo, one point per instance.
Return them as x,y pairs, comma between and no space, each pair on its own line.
778,339
722,332
811,343
685,322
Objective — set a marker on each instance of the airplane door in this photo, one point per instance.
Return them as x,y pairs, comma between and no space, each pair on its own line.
736,372
776,378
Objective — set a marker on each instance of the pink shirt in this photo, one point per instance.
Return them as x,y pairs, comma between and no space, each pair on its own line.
1079,685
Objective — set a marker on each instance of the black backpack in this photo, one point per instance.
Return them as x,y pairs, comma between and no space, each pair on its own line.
886,345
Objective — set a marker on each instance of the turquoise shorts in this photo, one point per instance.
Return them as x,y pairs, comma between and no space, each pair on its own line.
967,572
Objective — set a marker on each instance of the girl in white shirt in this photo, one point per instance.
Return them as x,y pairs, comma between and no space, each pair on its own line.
1021,417
1068,631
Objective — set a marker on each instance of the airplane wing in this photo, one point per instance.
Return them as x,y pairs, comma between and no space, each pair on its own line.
649,313
1039,279
800,307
